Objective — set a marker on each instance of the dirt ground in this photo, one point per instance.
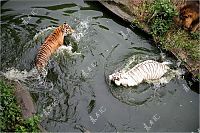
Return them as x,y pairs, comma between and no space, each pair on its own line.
136,12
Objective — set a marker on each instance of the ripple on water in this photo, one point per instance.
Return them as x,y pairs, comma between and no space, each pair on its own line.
144,93
31,79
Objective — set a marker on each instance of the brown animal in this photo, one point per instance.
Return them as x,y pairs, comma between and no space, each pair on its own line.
189,16
51,44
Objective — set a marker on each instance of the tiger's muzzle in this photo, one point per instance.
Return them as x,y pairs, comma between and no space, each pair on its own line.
68,29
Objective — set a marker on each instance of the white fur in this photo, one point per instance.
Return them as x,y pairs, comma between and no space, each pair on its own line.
147,70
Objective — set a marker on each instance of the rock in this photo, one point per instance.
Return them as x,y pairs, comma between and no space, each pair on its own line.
25,101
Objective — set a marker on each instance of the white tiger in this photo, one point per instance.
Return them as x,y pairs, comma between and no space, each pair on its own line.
147,70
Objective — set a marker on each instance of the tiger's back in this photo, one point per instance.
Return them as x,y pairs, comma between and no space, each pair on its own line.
48,47
51,44
149,69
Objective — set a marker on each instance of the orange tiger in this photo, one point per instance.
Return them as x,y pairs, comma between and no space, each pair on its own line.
189,15
51,44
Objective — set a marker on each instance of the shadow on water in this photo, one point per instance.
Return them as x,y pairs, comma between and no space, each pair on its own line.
108,14
81,98
57,7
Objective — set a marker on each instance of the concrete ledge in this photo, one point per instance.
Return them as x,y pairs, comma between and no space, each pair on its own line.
114,7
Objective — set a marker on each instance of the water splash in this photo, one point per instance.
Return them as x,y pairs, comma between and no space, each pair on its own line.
163,80
42,32
63,48
167,77
32,80
17,75
66,49
81,30
128,64
145,92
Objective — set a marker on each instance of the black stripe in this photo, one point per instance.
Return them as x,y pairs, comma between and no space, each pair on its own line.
132,76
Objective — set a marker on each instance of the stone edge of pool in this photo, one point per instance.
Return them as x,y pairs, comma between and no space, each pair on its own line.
24,100
191,65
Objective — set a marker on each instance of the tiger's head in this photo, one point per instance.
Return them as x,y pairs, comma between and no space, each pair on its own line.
119,78
67,30
189,14
187,18
115,76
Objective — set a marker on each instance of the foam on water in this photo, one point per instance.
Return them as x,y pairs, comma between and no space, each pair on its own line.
31,80
143,93
81,30
23,76
167,77
42,32
66,49
163,80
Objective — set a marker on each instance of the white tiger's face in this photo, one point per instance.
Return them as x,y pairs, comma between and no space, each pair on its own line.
115,76
119,78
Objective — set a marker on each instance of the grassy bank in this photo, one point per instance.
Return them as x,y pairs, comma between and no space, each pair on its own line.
157,18
10,115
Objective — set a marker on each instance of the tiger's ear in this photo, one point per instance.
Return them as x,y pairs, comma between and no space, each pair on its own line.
63,28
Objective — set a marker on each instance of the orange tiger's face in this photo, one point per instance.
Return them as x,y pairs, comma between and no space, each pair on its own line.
67,29
189,14
187,18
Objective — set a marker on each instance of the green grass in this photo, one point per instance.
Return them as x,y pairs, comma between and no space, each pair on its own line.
159,20
162,13
10,113
183,40
164,30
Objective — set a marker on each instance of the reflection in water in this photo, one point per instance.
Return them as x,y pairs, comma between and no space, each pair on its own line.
143,93
107,42
33,79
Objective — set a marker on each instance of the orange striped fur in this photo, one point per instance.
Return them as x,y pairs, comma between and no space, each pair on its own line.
51,44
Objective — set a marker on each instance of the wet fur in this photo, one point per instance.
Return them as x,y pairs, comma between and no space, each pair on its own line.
51,44
147,70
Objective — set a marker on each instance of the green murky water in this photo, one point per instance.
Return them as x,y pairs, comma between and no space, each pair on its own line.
81,98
